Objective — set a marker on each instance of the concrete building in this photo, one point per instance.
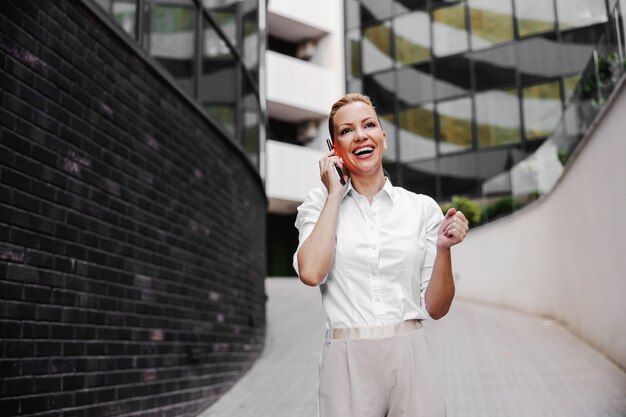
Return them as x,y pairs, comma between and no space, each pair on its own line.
304,63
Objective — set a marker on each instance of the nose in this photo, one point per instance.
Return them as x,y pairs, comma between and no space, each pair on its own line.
359,134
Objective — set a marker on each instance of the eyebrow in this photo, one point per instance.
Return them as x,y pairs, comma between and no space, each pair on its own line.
350,124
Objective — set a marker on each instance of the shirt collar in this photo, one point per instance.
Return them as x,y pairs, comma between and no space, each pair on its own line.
387,188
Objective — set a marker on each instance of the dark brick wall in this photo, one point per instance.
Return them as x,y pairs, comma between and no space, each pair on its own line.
131,233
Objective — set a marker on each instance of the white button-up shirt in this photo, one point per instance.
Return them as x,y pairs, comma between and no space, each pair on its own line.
384,255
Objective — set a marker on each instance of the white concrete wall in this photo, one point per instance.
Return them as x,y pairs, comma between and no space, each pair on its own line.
318,13
565,255
300,84
292,171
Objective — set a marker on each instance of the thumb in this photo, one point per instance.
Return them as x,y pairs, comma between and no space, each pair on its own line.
450,213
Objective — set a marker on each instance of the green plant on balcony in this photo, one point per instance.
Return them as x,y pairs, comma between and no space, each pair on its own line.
500,207
469,207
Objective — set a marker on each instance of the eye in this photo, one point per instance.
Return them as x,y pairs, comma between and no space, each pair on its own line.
344,131
370,124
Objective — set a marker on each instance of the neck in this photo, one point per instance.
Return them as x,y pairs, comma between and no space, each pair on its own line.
369,185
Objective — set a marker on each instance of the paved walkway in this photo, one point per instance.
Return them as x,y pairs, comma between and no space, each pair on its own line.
494,362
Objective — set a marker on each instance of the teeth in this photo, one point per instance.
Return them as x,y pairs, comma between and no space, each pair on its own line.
363,150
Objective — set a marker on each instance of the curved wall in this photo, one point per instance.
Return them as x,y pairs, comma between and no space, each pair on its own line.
564,256
132,258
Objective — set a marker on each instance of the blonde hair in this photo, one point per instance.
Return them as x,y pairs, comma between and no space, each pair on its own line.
347,99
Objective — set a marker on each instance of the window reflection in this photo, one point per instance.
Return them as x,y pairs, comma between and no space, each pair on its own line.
171,40
388,125
412,33
455,125
353,54
376,48
225,17
352,13
123,13
458,175
569,84
380,88
452,76
251,123
417,133
250,50
420,177
542,109
539,57
373,10
218,82
492,22
495,67
415,85
534,16
403,6
575,13
449,30
497,117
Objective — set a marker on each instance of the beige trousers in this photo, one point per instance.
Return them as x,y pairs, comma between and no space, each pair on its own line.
379,372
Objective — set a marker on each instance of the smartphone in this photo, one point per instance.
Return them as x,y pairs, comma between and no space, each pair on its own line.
339,173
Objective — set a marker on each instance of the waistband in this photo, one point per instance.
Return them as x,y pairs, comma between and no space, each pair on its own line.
374,332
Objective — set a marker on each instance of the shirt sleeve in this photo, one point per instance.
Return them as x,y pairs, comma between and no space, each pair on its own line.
432,220
308,213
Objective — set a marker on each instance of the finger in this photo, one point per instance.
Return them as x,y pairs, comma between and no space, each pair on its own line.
461,216
450,212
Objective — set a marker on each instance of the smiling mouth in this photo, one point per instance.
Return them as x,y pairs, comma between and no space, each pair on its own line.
363,151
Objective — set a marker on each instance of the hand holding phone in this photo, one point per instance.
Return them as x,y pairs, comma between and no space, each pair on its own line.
339,173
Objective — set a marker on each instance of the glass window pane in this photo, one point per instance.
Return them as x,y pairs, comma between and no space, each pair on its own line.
375,10
353,54
415,85
497,117
376,48
388,125
452,76
576,13
355,86
455,125
412,32
123,13
538,57
403,6
542,109
569,84
577,46
449,30
458,176
380,88
417,133
218,81
225,18
492,22
250,50
420,178
353,13
251,124
495,67
171,40
534,16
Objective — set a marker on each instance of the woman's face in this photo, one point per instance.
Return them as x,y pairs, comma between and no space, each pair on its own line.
359,138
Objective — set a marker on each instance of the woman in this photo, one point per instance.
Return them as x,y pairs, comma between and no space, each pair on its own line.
381,256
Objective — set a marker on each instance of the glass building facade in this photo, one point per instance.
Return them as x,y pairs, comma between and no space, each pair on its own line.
211,49
467,88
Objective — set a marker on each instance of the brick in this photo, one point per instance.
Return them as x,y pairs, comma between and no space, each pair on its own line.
18,349
9,368
37,294
35,330
34,366
10,329
13,254
19,310
35,404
